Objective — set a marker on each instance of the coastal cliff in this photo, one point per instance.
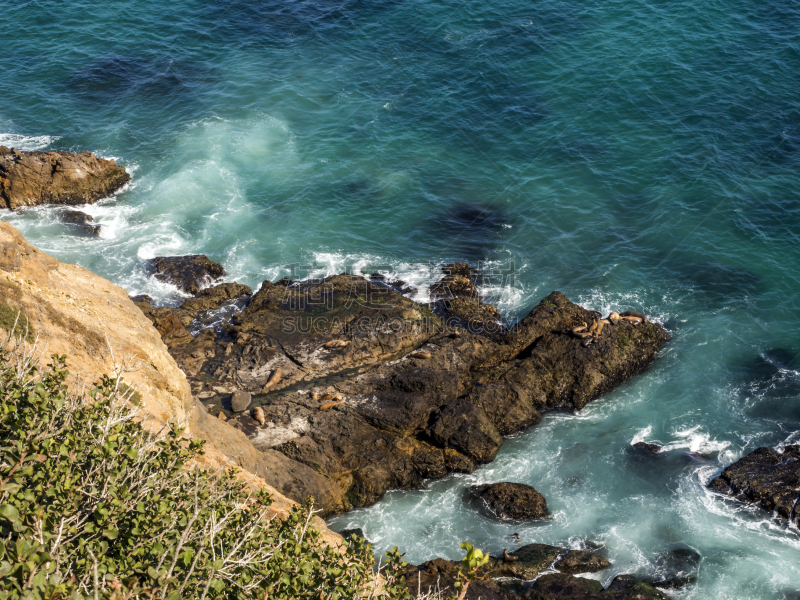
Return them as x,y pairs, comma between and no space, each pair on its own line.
94,323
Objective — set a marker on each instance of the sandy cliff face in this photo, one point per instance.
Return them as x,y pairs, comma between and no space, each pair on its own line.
86,317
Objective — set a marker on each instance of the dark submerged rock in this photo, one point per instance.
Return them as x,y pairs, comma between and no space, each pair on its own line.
511,501
81,222
188,273
766,478
35,178
646,449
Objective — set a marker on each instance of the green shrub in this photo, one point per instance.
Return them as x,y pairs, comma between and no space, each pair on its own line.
16,320
94,505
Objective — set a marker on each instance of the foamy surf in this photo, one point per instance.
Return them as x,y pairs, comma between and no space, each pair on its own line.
26,143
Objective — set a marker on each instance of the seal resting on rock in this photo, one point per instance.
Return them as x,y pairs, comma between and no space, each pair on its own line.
273,379
337,344
638,315
259,415
507,557
328,405
421,355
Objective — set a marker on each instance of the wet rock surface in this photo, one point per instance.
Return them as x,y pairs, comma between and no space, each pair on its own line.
188,273
765,478
80,222
515,501
551,567
645,448
36,178
372,391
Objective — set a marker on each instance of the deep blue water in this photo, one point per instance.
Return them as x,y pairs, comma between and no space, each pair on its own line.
634,155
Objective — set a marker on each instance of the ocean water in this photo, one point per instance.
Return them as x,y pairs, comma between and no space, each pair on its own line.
633,155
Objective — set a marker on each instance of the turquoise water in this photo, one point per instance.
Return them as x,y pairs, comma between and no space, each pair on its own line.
633,155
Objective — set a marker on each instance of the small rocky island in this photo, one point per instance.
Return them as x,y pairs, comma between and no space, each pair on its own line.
345,388
36,178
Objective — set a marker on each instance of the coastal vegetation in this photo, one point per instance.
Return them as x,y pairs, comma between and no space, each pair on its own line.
95,505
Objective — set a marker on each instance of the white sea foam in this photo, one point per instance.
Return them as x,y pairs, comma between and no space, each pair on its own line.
27,143
696,440
642,435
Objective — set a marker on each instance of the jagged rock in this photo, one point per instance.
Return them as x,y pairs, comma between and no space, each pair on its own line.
290,478
142,299
559,585
628,587
458,303
81,222
582,561
188,273
767,479
440,574
511,500
240,401
35,178
463,426
215,296
532,560
401,420
645,448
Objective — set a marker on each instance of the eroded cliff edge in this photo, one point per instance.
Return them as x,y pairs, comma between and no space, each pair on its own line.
85,317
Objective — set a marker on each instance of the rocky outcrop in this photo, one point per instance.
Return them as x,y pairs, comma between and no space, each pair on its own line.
765,478
503,580
458,303
188,273
99,328
80,222
373,391
515,501
34,178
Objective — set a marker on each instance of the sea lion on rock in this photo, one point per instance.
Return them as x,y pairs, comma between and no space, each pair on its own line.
259,415
330,397
634,320
578,328
421,355
638,315
593,327
614,317
600,325
337,344
273,379
328,405
507,557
